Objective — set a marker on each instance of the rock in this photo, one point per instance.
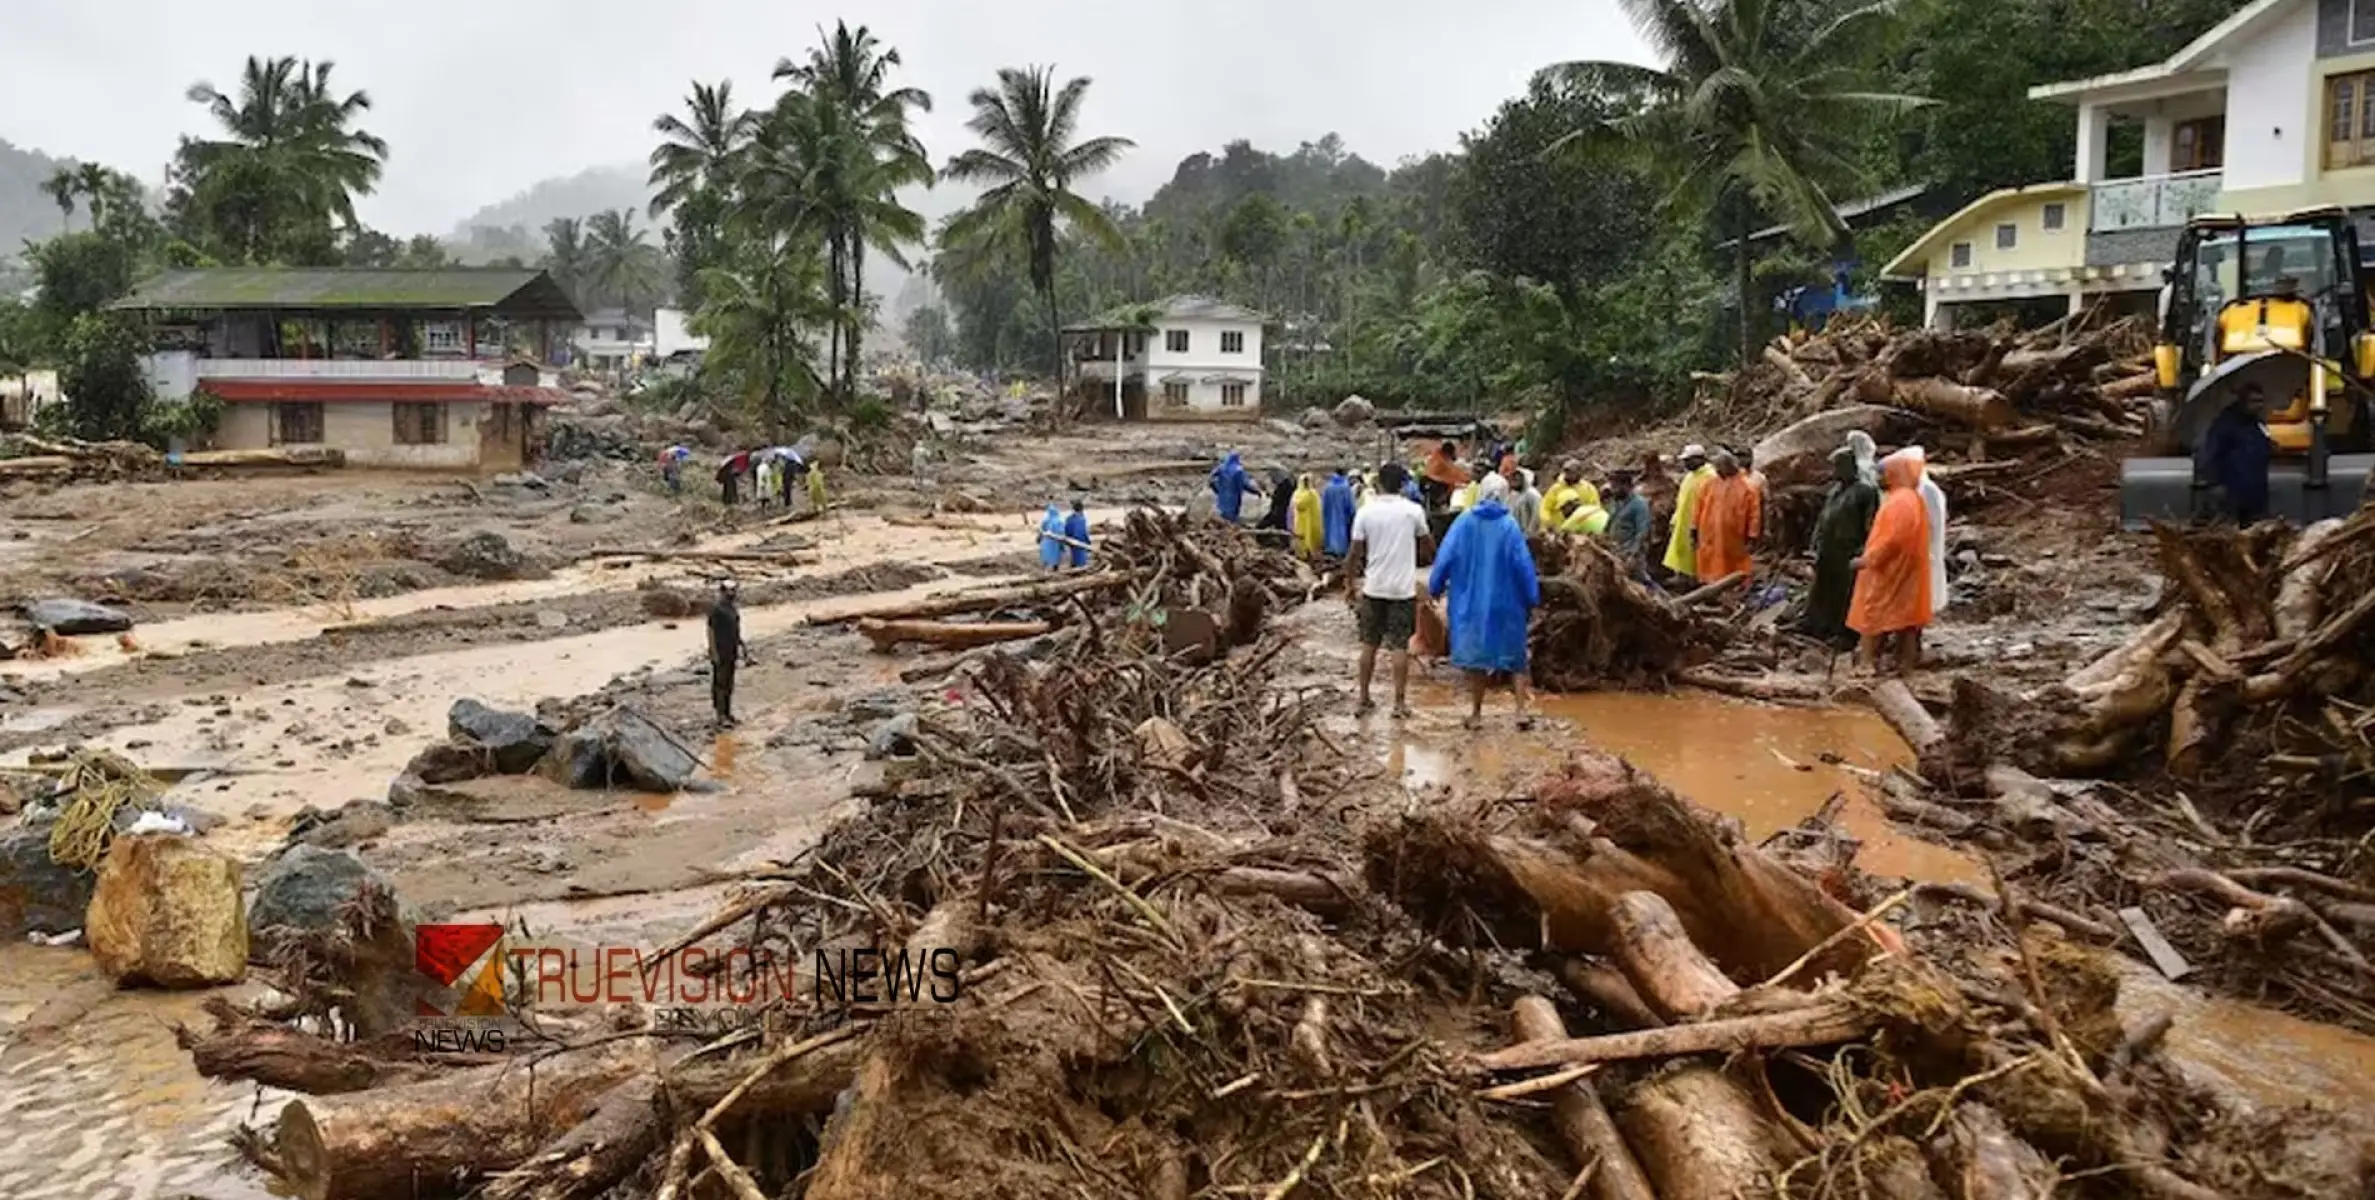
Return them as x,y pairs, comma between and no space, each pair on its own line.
1355,410
619,747
488,555
75,617
594,514
37,895
449,762
552,618
1314,418
167,911
881,704
570,472
514,740
522,479
196,820
669,603
892,738
355,822
1282,425
305,886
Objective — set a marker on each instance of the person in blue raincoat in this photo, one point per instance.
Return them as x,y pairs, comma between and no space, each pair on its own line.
1076,527
1489,571
1336,506
1051,527
1230,486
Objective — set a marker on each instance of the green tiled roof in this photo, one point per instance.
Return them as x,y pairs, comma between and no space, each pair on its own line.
525,293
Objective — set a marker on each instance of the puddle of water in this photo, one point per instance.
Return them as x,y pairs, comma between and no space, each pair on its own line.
1762,764
721,755
36,720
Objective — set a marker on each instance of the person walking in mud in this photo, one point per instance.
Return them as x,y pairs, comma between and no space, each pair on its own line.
1487,567
1382,575
727,651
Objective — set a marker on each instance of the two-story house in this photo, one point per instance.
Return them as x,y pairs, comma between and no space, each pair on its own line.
2270,111
1183,356
611,339
398,368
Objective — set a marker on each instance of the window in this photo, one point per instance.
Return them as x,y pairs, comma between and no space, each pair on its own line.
2198,145
419,424
2350,121
1232,395
1175,394
297,424
1960,255
2007,236
2362,23
1175,340
2055,216
441,337
1232,342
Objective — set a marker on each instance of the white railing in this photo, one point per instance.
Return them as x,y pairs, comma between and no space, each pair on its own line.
337,368
2154,201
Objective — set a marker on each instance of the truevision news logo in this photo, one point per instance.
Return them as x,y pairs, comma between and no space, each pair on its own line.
474,972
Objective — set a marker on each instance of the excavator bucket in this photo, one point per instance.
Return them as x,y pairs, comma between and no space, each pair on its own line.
2165,489
2281,376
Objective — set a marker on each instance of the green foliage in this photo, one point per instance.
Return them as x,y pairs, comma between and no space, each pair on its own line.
101,374
189,419
79,273
929,336
20,336
870,415
281,178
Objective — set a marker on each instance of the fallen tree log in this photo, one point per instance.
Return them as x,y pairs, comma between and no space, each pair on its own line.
1019,596
1821,1023
949,635
36,464
1660,961
278,1056
1905,714
1697,1133
1977,408
1581,1120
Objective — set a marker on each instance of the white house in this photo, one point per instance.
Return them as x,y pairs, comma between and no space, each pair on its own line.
672,334
2270,111
610,339
1183,356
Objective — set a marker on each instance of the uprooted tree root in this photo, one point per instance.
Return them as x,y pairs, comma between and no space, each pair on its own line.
1599,627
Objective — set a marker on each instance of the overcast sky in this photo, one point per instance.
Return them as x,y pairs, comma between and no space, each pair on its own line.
479,99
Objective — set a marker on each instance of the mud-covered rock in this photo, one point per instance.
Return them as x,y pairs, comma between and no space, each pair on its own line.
167,911
620,748
350,824
487,554
669,603
512,741
306,886
75,617
892,738
37,895
449,762
1355,410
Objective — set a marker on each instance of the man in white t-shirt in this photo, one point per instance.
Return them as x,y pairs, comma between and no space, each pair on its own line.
1386,535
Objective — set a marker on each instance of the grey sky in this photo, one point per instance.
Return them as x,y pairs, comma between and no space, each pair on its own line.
480,99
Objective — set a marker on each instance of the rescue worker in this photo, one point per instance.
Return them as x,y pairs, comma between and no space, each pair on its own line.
1729,516
1443,475
1076,527
1892,575
1310,526
1382,578
1051,527
1839,535
816,487
1629,524
1230,487
1525,503
2234,456
1933,499
727,651
1337,506
1570,485
1681,553
1489,571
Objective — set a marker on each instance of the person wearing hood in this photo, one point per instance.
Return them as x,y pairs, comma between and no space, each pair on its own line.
1076,527
1570,485
1839,535
1310,523
1230,486
1282,503
1933,499
1443,475
727,651
1525,503
1867,458
1681,552
1729,517
1489,571
1336,507
816,487
1892,575
1051,527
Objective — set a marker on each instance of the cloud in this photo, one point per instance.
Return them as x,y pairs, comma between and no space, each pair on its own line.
481,99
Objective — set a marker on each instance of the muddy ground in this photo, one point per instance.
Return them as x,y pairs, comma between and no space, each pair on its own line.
300,641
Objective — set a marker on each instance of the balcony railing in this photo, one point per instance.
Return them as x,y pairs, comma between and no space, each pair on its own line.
336,368
2154,201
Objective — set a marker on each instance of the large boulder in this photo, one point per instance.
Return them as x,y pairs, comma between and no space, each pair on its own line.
306,887
1355,410
448,762
167,911
621,747
75,617
36,894
487,554
514,740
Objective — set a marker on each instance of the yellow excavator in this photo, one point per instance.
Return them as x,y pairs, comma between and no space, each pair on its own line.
2272,309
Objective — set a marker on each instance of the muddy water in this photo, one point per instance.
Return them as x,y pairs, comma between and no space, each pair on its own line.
1768,766
2258,1053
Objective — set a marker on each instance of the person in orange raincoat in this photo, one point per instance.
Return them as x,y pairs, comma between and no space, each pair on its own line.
1892,583
1443,476
1731,513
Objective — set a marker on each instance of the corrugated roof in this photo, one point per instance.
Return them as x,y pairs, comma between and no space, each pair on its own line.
526,293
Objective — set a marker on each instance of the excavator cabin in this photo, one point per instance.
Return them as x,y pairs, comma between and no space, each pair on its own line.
2274,310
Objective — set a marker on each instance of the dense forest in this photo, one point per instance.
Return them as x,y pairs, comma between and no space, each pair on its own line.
1582,244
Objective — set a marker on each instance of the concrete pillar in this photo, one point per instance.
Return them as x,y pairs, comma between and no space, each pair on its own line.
2094,143
2078,301
2160,145
1935,313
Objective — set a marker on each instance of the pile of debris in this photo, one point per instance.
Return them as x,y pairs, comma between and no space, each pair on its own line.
23,455
1978,395
1601,627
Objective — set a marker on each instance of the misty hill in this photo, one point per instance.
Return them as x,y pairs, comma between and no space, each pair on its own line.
24,211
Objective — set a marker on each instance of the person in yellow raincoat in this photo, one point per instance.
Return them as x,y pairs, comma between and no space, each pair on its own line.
1310,529
1681,553
1570,485
1584,516
816,487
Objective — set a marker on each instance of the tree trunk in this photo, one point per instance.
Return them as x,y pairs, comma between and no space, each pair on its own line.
836,287
949,635
1023,595
1699,1134
1904,713
1581,1120
1055,341
1660,961
857,313
1748,327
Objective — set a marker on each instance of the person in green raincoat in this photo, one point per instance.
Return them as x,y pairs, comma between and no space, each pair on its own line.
1839,535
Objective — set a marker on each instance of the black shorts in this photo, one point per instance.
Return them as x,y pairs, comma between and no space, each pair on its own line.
1388,622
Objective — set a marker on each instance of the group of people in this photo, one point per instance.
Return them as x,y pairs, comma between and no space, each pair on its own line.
771,470
1879,554
1064,539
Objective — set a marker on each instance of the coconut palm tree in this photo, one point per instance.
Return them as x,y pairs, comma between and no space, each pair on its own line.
290,161
1027,165
700,154
1757,110
620,263
96,184
565,255
758,309
61,187
852,127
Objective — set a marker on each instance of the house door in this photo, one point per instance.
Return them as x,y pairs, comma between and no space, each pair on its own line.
499,438
2198,145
